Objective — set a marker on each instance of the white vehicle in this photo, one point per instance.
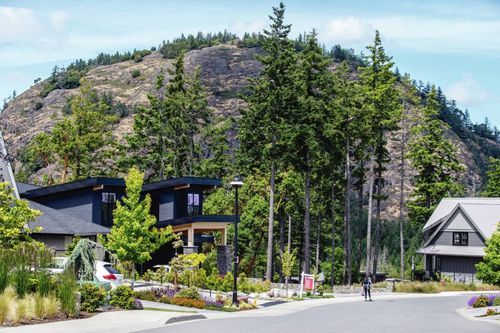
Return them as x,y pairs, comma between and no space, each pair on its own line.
58,265
104,271
166,268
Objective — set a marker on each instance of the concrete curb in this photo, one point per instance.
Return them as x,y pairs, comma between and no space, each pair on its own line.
468,314
184,318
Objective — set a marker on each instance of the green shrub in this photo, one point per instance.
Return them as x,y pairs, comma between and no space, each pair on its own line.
192,303
496,301
481,302
136,73
165,299
66,292
190,293
21,281
38,105
123,298
44,283
4,276
146,295
91,297
491,312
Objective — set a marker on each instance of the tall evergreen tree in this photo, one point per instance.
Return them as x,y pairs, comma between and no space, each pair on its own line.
493,178
382,107
306,131
164,142
272,97
434,158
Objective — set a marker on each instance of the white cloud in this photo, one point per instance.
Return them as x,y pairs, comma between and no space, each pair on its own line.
240,27
348,31
468,92
58,19
18,24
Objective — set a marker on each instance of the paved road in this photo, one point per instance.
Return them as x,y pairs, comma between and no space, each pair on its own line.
432,314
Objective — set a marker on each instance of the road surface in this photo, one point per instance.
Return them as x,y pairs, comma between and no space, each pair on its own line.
401,315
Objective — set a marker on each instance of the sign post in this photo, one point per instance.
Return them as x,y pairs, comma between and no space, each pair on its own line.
306,282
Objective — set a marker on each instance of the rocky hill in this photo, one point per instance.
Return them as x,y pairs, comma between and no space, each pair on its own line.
225,71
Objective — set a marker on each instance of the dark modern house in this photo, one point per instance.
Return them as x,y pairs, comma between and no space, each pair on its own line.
85,208
455,236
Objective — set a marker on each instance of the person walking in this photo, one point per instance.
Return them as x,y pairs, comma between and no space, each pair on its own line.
367,285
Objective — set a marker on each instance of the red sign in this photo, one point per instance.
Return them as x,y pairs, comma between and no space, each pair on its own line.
309,282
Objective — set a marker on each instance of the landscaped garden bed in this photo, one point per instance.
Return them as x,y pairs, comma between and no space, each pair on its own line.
437,287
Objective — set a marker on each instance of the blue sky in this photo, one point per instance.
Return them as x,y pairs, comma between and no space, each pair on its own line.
454,44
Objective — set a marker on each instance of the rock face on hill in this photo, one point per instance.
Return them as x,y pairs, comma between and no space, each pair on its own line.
225,72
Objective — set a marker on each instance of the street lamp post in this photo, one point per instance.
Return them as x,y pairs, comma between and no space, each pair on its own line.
236,183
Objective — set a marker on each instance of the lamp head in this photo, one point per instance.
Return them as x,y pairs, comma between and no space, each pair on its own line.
236,182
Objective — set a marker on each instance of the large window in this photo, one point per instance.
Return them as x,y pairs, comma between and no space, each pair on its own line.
193,204
460,238
108,205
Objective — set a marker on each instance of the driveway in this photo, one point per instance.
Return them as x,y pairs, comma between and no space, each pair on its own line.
392,314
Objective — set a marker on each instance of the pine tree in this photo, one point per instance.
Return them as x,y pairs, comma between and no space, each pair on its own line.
272,97
382,106
306,131
164,142
435,161
493,178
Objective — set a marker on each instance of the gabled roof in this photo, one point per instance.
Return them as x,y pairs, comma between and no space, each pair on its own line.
448,205
54,221
484,216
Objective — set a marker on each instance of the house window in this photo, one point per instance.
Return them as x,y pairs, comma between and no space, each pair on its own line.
193,204
460,238
108,205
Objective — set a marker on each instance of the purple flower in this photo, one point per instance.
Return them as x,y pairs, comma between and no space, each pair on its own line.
472,300
491,298
212,302
164,291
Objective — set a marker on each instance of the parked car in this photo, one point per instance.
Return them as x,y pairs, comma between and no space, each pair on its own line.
166,268
58,265
104,271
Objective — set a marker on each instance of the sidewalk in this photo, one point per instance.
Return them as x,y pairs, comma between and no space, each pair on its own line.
109,322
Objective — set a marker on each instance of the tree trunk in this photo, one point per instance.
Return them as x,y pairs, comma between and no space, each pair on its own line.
269,268
307,223
282,240
318,243
378,222
347,217
369,224
333,235
401,196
